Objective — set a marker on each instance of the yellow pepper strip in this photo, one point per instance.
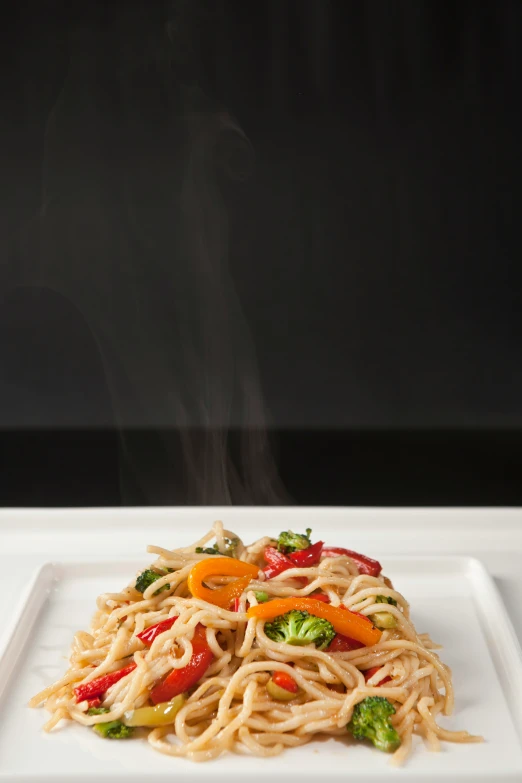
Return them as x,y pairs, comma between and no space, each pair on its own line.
160,715
220,566
344,622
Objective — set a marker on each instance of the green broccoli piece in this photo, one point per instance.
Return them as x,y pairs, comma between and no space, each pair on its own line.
385,599
114,729
300,628
97,710
261,596
291,542
230,548
146,578
371,720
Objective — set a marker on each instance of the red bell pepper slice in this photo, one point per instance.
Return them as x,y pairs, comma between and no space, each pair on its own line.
97,687
180,680
149,634
279,562
366,565
93,703
284,680
321,597
307,557
370,672
234,607
341,643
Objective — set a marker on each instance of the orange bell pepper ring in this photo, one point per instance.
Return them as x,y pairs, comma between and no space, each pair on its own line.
220,566
344,622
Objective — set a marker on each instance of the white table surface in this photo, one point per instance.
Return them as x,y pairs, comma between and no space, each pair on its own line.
31,537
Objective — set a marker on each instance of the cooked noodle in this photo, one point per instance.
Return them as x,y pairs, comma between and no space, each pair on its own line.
230,708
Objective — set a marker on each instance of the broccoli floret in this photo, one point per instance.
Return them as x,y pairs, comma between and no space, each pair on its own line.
208,550
300,628
114,729
371,720
97,710
146,578
385,599
290,542
230,548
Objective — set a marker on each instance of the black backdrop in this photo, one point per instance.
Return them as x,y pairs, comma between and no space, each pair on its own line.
375,250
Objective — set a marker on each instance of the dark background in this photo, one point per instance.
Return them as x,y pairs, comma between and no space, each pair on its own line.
376,251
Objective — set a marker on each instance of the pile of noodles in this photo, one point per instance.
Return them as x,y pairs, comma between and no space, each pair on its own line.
230,709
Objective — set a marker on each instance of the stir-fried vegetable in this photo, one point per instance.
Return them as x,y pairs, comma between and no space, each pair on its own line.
384,620
261,596
345,622
149,634
366,565
300,628
369,673
181,680
371,720
298,548
229,548
97,710
276,692
220,566
342,643
385,599
289,541
282,687
304,558
147,578
321,597
114,729
286,681
162,714
279,562
99,685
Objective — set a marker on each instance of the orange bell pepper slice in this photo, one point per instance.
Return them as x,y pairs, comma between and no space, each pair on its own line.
345,622
220,566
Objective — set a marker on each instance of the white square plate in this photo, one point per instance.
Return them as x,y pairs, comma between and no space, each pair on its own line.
453,598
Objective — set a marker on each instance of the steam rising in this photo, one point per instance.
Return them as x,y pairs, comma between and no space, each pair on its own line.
134,232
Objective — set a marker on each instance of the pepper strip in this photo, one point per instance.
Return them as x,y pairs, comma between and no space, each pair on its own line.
368,674
97,687
342,643
181,680
365,565
279,562
149,634
220,566
304,558
345,622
